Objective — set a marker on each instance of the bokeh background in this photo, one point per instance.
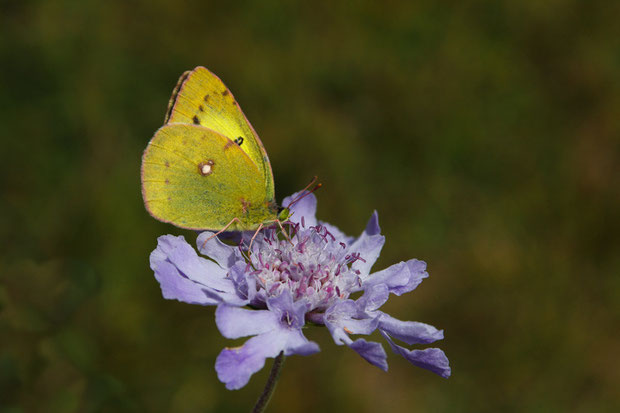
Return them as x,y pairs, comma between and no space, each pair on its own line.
485,133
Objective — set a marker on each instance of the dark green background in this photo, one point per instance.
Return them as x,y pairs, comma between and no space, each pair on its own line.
485,133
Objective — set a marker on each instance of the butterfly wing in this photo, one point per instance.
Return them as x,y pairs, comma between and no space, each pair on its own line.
201,98
196,178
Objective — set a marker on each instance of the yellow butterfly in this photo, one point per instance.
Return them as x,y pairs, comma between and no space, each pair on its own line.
206,168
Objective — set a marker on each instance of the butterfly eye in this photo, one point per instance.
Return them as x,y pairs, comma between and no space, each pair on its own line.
206,168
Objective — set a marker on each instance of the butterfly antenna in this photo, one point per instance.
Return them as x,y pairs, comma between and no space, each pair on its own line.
305,192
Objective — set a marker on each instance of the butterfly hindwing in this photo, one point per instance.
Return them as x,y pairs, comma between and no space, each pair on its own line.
196,178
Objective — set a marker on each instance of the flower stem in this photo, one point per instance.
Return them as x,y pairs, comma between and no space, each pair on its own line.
270,386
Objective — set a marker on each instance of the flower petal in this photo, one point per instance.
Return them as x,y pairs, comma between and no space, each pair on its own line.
410,332
174,286
224,255
395,277
432,359
417,269
306,207
369,247
372,352
372,227
194,267
235,366
290,313
297,343
231,298
344,318
373,298
244,286
234,322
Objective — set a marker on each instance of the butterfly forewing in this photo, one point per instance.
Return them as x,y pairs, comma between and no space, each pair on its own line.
201,98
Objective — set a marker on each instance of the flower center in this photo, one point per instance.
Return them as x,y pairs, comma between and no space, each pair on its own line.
313,265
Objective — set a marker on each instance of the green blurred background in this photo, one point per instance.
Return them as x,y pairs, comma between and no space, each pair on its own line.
485,133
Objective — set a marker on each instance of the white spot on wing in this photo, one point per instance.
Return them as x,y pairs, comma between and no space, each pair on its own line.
206,168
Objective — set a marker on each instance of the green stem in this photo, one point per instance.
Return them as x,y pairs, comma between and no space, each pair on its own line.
270,386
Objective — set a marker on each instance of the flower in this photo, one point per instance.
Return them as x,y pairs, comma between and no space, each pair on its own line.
284,283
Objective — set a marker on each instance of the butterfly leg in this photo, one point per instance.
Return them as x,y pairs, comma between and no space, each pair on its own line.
254,236
288,238
262,225
235,219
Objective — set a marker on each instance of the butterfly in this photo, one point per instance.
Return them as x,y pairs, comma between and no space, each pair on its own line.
206,168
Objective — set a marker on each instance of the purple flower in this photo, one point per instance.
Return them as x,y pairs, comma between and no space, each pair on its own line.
273,290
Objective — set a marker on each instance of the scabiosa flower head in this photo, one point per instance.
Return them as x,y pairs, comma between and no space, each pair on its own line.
283,282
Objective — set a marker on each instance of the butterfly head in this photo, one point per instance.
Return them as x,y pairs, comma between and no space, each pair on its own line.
283,213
